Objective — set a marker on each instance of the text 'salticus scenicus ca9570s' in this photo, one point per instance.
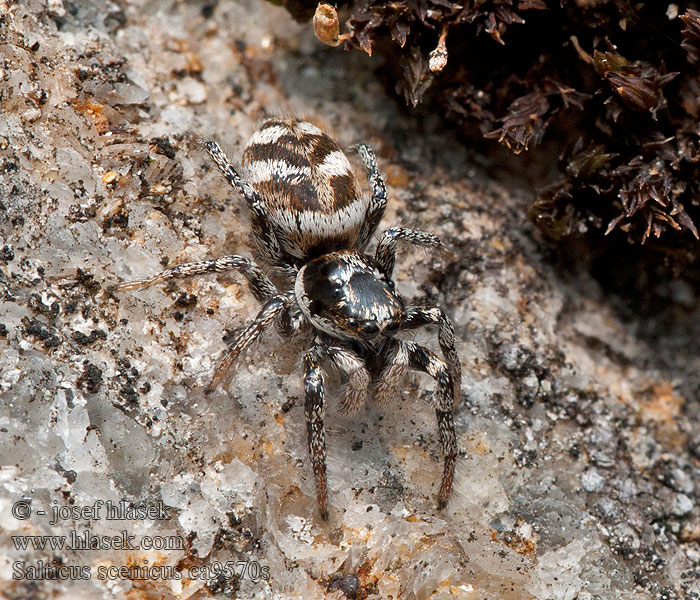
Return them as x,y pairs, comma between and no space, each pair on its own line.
311,224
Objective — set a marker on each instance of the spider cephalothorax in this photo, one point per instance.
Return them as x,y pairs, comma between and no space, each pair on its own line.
346,295
311,222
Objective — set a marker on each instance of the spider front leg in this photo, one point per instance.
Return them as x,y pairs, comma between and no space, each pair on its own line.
270,312
377,203
260,284
410,354
386,249
267,241
417,316
354,368
314,410
291,321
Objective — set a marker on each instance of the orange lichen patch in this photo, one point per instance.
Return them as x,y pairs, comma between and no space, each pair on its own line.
146,559
235,290
150,576
189,63
95,111
211,303
523,304
662,405
497,244
178,45
224,457
690,533
522,539
365,573
353,534
194,65
110,177
239,448
149,590
416,461
520,545
478,444
402,452
159,189
396,175
659,406
413,519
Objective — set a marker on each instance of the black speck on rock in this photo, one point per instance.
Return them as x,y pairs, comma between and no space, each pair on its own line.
6,254
37,329
91,378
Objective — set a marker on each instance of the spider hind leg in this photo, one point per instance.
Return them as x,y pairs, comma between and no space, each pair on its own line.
378,200
314,410
269,313
417,316
410,354
266,239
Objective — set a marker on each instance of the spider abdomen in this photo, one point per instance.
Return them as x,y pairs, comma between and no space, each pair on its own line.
312,198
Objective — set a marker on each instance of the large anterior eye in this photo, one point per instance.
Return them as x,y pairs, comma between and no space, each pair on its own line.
391,328
370,329
315,307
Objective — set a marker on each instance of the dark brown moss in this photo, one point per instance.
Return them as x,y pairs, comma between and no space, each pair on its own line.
691,35
615,84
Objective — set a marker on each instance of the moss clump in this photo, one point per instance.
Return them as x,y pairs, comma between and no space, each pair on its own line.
617,81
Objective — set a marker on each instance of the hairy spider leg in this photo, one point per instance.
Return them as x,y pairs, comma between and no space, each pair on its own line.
410,354
386,248
267,315
377,203
259,283
266,240
390,380
358,378
417,316
291,321
314,410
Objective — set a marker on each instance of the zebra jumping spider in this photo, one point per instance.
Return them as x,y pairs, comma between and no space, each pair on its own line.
312,223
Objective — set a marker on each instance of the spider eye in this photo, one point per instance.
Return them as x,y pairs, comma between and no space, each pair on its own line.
390,284
369,330
315,307
336,293
391,328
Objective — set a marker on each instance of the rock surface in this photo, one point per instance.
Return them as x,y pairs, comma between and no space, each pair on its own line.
580,472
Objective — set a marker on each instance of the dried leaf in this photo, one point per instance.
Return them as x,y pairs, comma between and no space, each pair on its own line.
637,85
524,123
587,163
494,28
532,5
417,77
399,32
691,35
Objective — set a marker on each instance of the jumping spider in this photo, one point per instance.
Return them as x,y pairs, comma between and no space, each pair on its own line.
312,223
